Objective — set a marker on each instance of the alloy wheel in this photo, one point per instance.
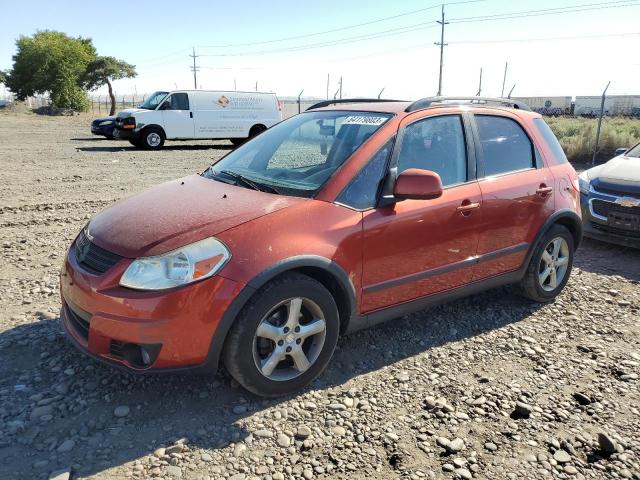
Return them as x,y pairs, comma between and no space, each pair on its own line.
553,264
289,339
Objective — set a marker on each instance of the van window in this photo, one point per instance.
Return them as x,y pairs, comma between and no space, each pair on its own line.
436,144
505,146
177,101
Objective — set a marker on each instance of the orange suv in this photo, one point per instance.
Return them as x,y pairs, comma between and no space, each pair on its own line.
351,213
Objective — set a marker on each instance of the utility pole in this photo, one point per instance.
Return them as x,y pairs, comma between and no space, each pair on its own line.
340,87
442,45
504,79
480,84
597,145
235,85
194,68
327,86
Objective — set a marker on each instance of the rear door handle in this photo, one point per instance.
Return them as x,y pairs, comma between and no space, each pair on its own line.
544,190
467,207
190,114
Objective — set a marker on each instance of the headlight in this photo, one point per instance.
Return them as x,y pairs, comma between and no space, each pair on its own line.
583,183
187,264
106,122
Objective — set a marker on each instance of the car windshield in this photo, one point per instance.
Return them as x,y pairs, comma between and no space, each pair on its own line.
154,100
633,152
296,157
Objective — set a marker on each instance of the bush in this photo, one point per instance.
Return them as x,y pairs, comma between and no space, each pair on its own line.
578,135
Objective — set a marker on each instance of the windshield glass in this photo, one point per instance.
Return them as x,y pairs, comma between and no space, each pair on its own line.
154,100
633,152
297,156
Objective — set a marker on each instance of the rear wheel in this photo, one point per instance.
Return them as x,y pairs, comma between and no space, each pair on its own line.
550,266
135,143
256,130
284,337
238,141
152,138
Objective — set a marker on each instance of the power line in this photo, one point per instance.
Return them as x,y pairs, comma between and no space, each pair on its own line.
331,43
544,39
339,29
547,11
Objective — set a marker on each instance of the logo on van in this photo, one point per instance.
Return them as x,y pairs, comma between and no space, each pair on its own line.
224,101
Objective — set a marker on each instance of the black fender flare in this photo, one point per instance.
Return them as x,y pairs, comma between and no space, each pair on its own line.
565,217
289,264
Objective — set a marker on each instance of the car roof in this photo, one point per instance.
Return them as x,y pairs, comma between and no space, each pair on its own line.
395,107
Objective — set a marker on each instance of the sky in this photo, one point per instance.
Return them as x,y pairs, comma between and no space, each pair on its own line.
287,46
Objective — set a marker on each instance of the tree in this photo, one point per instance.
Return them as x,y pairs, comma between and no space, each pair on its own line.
102,71
51,62
3,77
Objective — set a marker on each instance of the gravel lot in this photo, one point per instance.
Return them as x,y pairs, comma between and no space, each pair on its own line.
487,387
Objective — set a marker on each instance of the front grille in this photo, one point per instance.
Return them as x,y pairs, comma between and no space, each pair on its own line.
117,349
603,208
617,231
79,320
92,258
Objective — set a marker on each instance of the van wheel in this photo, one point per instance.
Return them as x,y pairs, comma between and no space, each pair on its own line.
256,130
238,141
135,143
550,266
152,138
284,337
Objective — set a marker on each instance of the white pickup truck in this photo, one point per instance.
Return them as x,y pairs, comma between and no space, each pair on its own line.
198,114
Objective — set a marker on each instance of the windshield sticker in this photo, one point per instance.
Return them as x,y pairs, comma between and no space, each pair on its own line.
364,120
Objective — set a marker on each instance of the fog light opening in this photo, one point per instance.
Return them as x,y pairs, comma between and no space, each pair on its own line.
140,355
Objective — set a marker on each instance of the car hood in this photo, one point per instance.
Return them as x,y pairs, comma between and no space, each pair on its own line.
620,168
177,213
131,111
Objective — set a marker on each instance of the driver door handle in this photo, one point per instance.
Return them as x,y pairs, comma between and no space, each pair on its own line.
467,207
543,190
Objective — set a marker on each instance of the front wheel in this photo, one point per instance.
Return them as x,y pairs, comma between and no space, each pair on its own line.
550,266
152,138
284,337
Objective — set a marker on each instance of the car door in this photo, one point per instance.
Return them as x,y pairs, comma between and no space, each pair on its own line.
177,118
415,248
517,193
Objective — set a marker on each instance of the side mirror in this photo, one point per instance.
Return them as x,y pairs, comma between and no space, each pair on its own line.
417,184
621,151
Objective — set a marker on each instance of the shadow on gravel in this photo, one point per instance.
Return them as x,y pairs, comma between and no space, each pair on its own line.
89,139
127,147
39,368
608,259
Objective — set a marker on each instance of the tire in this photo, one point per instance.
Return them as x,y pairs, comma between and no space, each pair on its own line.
256,130
152,138
260,362
135,143
238,141
543,288
109,137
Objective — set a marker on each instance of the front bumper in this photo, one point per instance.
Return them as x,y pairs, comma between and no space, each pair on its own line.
102,319
597,227
125,134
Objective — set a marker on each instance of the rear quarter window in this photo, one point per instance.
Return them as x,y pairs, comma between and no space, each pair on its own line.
551,140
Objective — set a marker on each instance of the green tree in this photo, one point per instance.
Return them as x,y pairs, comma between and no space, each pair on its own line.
51,62
3,77
102,71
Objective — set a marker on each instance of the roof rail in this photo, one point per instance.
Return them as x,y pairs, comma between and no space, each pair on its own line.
503,102
326,103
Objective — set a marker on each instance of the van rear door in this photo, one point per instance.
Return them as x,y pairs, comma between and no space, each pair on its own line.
177,117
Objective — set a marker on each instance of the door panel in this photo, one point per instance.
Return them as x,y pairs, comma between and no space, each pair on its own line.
177,118
517,194
419,247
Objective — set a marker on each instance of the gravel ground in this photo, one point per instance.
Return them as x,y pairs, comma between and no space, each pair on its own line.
487,387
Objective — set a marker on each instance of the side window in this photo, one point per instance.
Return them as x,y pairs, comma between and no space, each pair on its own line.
177,101
505,146
436,144
551,140
362,192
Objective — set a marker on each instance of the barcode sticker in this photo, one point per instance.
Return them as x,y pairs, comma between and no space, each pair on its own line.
364,120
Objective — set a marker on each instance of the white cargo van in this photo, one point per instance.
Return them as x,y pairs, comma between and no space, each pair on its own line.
198,114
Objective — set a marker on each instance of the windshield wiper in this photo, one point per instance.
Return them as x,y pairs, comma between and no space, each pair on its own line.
261,187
